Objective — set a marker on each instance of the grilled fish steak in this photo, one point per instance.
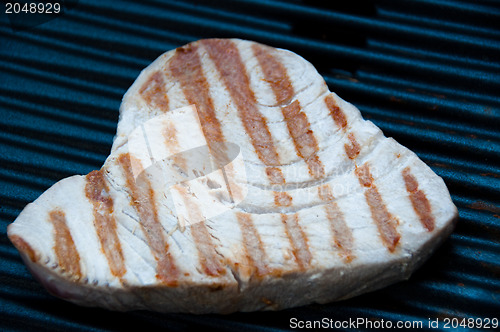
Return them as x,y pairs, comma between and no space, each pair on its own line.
325,207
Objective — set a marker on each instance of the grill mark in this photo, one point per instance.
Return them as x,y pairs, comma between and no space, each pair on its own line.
24,247
303,138
207,254
305,144
275,175
298,240
335,111
142,198
276,178
65,249
298,125
385,221
208,258
342,235
256,255
227,60
170,136
153,91
282,199
419,201
275,74
96,191
233,72
186,67
352,150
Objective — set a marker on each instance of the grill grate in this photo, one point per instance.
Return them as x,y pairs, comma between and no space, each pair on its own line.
426,72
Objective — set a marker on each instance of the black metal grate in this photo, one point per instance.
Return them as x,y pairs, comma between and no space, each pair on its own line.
426,72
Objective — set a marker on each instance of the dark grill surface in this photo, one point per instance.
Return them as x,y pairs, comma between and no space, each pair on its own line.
426,72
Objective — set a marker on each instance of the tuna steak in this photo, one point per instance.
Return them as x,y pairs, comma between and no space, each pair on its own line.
236,182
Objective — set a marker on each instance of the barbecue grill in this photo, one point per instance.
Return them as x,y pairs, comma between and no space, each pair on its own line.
426,72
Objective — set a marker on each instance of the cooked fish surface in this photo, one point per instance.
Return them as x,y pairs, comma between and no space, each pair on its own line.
236,182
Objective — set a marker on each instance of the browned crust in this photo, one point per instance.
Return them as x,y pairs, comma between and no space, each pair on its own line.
303,138
229,64
67,255
342,234
297,123
226,57
256,256
335,112
419,201
275,74
153,91
298,240
24,247
209,260
352,149
282,199
96,190
385,221
305,143
143,200
185,66
275,175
